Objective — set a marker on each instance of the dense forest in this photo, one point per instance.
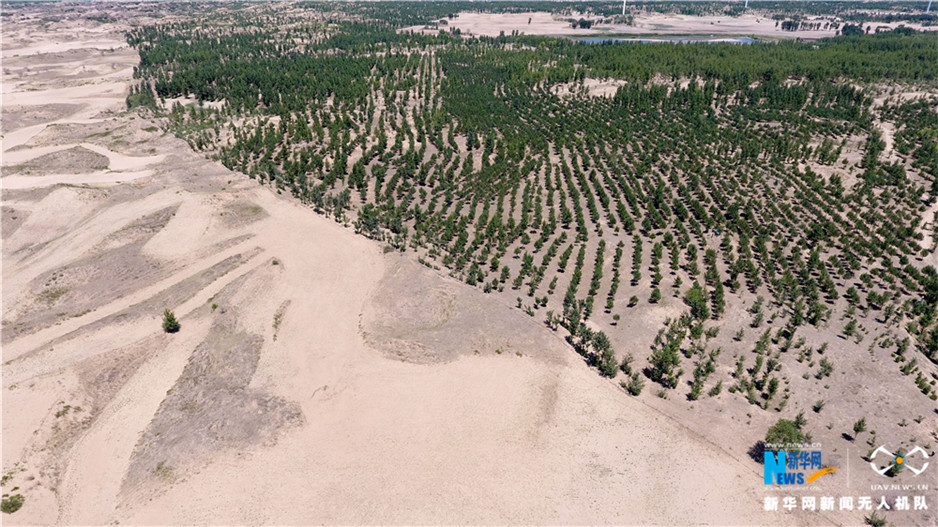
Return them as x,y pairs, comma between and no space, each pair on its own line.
720,175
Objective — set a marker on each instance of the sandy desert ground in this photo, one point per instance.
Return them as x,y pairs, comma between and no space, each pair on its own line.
315,379
544,23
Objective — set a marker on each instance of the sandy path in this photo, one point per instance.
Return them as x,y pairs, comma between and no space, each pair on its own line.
481,440
92,106
95,96
65,224
543,23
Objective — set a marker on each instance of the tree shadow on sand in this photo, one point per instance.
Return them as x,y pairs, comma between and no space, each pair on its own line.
756,452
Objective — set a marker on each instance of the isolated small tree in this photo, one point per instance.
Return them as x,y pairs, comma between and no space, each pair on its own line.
664,360
851,328
875,521
626,364
696,298
859,427
170,324
635,384
800,420
607,364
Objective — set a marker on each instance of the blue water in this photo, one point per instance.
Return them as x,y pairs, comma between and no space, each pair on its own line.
681,40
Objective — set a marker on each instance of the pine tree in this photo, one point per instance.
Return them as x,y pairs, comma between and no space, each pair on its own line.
170,324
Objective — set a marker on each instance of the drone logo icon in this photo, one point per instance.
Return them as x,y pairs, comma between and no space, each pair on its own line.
898,460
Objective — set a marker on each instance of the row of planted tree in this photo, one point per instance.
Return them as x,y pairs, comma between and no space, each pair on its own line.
716,173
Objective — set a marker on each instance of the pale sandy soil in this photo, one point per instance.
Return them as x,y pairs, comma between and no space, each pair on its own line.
168,104
314,380
543,23
593,87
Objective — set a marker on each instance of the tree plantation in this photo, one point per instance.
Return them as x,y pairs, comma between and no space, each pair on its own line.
762,192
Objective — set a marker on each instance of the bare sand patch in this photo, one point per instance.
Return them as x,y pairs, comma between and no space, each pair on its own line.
589,86
417,316
548,24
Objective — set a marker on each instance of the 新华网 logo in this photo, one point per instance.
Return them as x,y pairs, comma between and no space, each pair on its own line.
786,467
899,461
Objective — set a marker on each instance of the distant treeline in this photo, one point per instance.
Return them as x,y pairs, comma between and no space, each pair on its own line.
251,68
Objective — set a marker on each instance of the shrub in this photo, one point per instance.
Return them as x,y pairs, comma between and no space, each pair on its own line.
664,361
12,504
826,369
607,364
695,390
696,298
717,388
626,364
635,385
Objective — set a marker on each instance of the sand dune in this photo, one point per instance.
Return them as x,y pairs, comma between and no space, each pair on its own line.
116,161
